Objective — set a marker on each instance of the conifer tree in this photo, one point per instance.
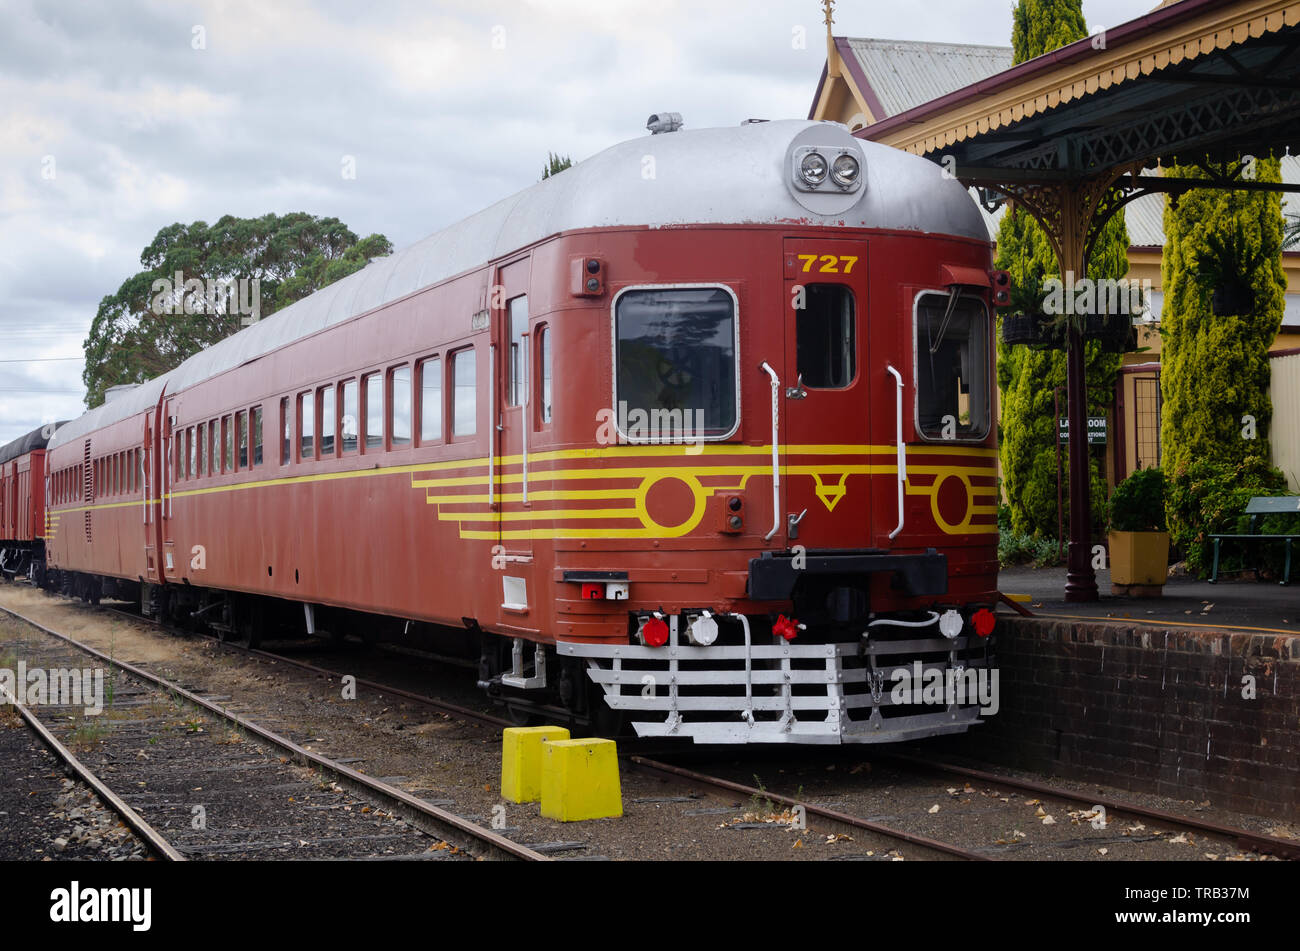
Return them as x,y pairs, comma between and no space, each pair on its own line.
1027,378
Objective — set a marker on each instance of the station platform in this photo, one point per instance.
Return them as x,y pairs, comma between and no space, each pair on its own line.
1230,605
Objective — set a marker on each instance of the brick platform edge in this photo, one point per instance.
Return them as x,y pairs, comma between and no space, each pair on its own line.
1148,710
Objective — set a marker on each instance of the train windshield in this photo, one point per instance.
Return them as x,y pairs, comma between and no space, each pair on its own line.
952,368
676,363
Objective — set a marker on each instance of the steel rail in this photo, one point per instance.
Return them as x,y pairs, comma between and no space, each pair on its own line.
827,815
151,836
459,832
1254,841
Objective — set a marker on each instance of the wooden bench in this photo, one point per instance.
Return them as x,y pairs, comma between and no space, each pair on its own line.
1262,505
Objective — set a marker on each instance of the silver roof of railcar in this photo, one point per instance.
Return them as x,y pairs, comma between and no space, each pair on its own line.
731,175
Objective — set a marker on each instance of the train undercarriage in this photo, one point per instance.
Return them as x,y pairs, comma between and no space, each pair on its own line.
842,675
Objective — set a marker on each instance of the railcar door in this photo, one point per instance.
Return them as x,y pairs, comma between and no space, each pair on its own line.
826,386
515,471
149,492
169,461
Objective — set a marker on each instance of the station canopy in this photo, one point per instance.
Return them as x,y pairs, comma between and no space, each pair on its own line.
1074,135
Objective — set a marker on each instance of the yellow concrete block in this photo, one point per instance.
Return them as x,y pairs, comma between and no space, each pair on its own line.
580,780
1020,598
521,760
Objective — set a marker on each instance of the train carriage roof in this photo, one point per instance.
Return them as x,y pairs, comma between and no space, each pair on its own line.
36,439
731,175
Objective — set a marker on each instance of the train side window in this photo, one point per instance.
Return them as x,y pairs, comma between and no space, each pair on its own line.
399,417
257,435
543,335
826,337
241,432
227,444
952,368
374,393
286,429
194,454
214,447
676,361
464,381
430,401
517,310
328,421
306,426
202,430
351,414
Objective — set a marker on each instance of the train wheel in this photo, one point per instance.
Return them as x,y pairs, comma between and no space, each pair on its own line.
520,715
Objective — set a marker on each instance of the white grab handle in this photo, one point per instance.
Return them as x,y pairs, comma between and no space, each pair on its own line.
776,452
902,449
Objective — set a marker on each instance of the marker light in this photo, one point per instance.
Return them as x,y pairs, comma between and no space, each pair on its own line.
984,621
654,632
950,624
813,169
703,630
845,170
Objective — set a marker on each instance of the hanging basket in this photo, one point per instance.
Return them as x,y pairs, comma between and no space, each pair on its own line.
1019,329
1113,331
1032,330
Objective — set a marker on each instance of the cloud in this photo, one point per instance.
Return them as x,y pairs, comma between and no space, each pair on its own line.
445,107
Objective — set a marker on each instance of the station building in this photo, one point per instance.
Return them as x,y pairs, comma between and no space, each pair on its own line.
868,80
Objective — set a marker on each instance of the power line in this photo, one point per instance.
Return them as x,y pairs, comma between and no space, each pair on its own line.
42,360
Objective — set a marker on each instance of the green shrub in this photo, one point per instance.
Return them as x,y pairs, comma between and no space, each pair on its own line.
1015,548
1138,504
1208,498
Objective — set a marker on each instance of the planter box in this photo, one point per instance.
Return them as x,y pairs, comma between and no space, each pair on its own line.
1139,558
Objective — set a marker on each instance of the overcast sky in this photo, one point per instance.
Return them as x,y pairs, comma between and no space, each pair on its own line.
113,124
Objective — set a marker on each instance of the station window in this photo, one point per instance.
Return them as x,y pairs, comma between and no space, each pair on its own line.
399,419
430,401
952,367
257,435
464,414
676,358
351,414
306,426
826,337
374,387
286,428
544,358
328,421
241,437
517,310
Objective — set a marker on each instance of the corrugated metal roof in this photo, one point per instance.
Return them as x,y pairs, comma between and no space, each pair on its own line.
1145,217
904,75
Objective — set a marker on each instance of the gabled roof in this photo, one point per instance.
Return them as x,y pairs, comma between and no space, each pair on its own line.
894,76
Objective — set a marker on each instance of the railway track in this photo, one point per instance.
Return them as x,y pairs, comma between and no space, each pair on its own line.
460,834
153,840
828,819
819,818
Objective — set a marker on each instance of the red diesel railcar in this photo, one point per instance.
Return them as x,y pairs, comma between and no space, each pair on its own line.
697,432
22,505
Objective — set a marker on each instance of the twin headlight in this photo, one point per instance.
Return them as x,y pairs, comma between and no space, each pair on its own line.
815,166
